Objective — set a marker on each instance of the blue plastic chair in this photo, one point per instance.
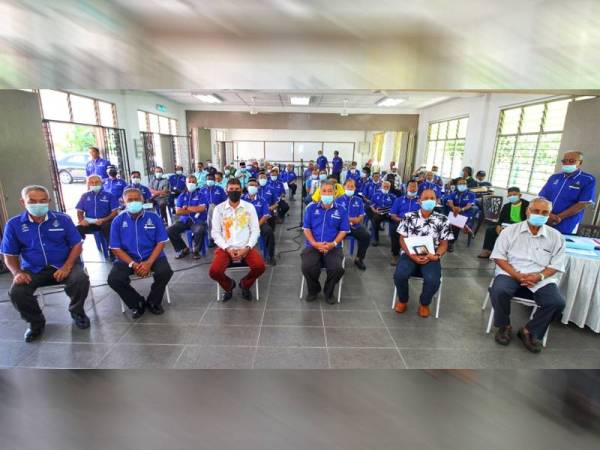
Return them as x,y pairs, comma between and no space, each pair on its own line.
101,244
352,242
204,245
263,246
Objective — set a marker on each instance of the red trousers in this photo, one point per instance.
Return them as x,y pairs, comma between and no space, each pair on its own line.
222,261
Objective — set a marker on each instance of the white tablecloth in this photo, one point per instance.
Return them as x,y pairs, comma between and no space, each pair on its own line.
580,285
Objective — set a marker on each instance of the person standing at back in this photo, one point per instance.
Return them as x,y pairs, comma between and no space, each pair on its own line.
337,164
96,165
322,163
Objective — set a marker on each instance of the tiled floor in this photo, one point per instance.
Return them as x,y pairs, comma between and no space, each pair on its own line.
282,331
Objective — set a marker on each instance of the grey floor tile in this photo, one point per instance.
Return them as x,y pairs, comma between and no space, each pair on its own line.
358,303
190,301
290,300
98,332
174,315
197,357
291,358
12,330
158,334
357,358
64,355
11,353
131,356
292,336
223,335
232,317
352,318
304,318
358,337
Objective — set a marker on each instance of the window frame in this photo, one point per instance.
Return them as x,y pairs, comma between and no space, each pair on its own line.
160,131
96,108
456,139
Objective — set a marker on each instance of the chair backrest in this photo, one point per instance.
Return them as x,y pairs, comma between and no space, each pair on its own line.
592,231
492,204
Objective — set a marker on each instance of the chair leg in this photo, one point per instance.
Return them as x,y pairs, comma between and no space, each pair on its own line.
485,301
394,297
168,294
533,311
218,292
257,293
302,287
41,295
438,301
340,290
489,324
122,306
545,336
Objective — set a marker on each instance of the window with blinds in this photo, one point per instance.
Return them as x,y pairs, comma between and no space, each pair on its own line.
156,123
446,146
527,145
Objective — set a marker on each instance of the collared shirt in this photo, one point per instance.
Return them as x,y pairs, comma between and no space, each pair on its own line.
235,227
336,164
564,191
353,175
383,201
215,194
260,204
325,224
97,167
322,162
307,173
354,206
177,182
288,177
404,204
462,199
277,188
201,178
138,236
244,177
371,188
436,226
159,184
195,198
97,205
430,185
140,187
361,185
39,245
115,186
529,253
267,193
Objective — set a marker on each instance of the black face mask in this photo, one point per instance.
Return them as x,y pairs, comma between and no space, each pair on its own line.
234,196
112,173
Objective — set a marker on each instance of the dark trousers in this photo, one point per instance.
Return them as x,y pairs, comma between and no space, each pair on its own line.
312,262
336,175
363,239
161,207
93,228
293,188
377,220
198,232
268,237
77,285
490,238
119,281
222,261
282,209
549,299
430,272
394,237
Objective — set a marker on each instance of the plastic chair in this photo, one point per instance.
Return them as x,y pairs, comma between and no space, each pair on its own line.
339,296
523,296
190,240
101,244
438,295
237,267
352,242
135,278
56,288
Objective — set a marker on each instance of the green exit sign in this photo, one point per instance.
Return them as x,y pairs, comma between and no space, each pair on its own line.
161,108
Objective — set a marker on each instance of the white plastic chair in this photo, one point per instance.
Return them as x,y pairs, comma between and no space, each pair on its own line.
56,288
135,278
234,269
339,296
438,295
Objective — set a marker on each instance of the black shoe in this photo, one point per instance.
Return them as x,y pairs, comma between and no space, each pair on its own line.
375,243
311,297
360,264
228,295
182,254
157,310
246,294
138,312
272,262
33,333
530,342
211,243
450,248
330,299
196,255
81,320
504,335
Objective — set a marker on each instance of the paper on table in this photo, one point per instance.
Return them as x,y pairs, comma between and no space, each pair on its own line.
415,241
579,251
458,221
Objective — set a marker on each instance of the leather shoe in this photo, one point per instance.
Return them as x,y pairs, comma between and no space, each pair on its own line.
375,243
504,335
400,307
182,254
196,255
394,260
246,294
311,297
81,320
155,309
272,262
530,342
424,311
138,312
228,295
360,264
33,333
330,299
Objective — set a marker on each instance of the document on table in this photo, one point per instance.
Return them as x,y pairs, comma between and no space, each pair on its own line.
582,252
416,241
458,221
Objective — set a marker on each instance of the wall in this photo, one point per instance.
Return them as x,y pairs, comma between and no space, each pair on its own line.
23,155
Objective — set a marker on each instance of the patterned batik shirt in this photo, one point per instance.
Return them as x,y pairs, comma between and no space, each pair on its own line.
436,226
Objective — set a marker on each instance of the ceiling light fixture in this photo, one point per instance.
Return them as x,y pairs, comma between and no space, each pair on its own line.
344,112
253,110
208,98
389,101
584,97
300,101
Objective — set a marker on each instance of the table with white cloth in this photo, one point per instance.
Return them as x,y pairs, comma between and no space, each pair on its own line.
580,285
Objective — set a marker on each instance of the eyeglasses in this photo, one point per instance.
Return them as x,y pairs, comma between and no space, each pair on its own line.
569,161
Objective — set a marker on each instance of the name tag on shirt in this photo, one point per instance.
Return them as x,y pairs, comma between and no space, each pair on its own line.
56,229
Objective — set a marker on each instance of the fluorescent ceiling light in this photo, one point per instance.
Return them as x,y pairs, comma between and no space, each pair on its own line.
584,97
208,98
389,101
300,101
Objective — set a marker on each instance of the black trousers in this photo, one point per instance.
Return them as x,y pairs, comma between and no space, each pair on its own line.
268,236
293,188
363,239
394,237
162,208
119,281
282,209
490,238
312,262
376,220
92,228
336,175
198,232
77,285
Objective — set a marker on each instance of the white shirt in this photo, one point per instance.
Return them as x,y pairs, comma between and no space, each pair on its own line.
529,253
235,227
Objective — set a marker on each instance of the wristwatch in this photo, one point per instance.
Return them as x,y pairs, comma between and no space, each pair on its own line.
131,264
439,256
542,277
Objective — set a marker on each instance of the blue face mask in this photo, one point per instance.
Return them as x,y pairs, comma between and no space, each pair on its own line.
349,192
158,175
428,205
37,209
513,198
252,190
569,168
179,172
134,207
537,220
95,188
385,191
210,182
262,181
314,177
322,176
461,187
327,199
191,186
273,177
411,194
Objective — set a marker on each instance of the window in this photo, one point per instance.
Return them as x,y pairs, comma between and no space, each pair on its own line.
446,146
107,114
83,109
527,144
67,107
55,105
142,121
155,123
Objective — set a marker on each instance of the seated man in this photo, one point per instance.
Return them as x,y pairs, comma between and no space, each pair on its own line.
136,183
355,208
528,255
370,188
278,190
192,209
407,203
243,174
235,230
424,222
220,180
430,183
159,188
381,205
42,248
213,192
480,179
353,172
514,211
462,202
290,177
96,209
137,239
325,227
176,185
263,213
338,190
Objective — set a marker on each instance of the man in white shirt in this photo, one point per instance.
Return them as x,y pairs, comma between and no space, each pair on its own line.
528,255
235,231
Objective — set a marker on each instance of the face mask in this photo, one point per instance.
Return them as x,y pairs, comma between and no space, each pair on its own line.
537,220
134,207
434,172
112,173
385,191
513,198
314,177
243,169
322,176
349,192
37,209
209,164
262,181
569,168
273,177
353,170
191,186
158,175
411,194
95,188
252,190
428,205
136,180
234,196
179,172
327,199
210,182
461,188
364,174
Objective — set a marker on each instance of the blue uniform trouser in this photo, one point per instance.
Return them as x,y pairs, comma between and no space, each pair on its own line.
548,298
430,272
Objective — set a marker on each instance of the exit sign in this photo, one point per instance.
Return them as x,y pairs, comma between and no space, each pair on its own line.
161,108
